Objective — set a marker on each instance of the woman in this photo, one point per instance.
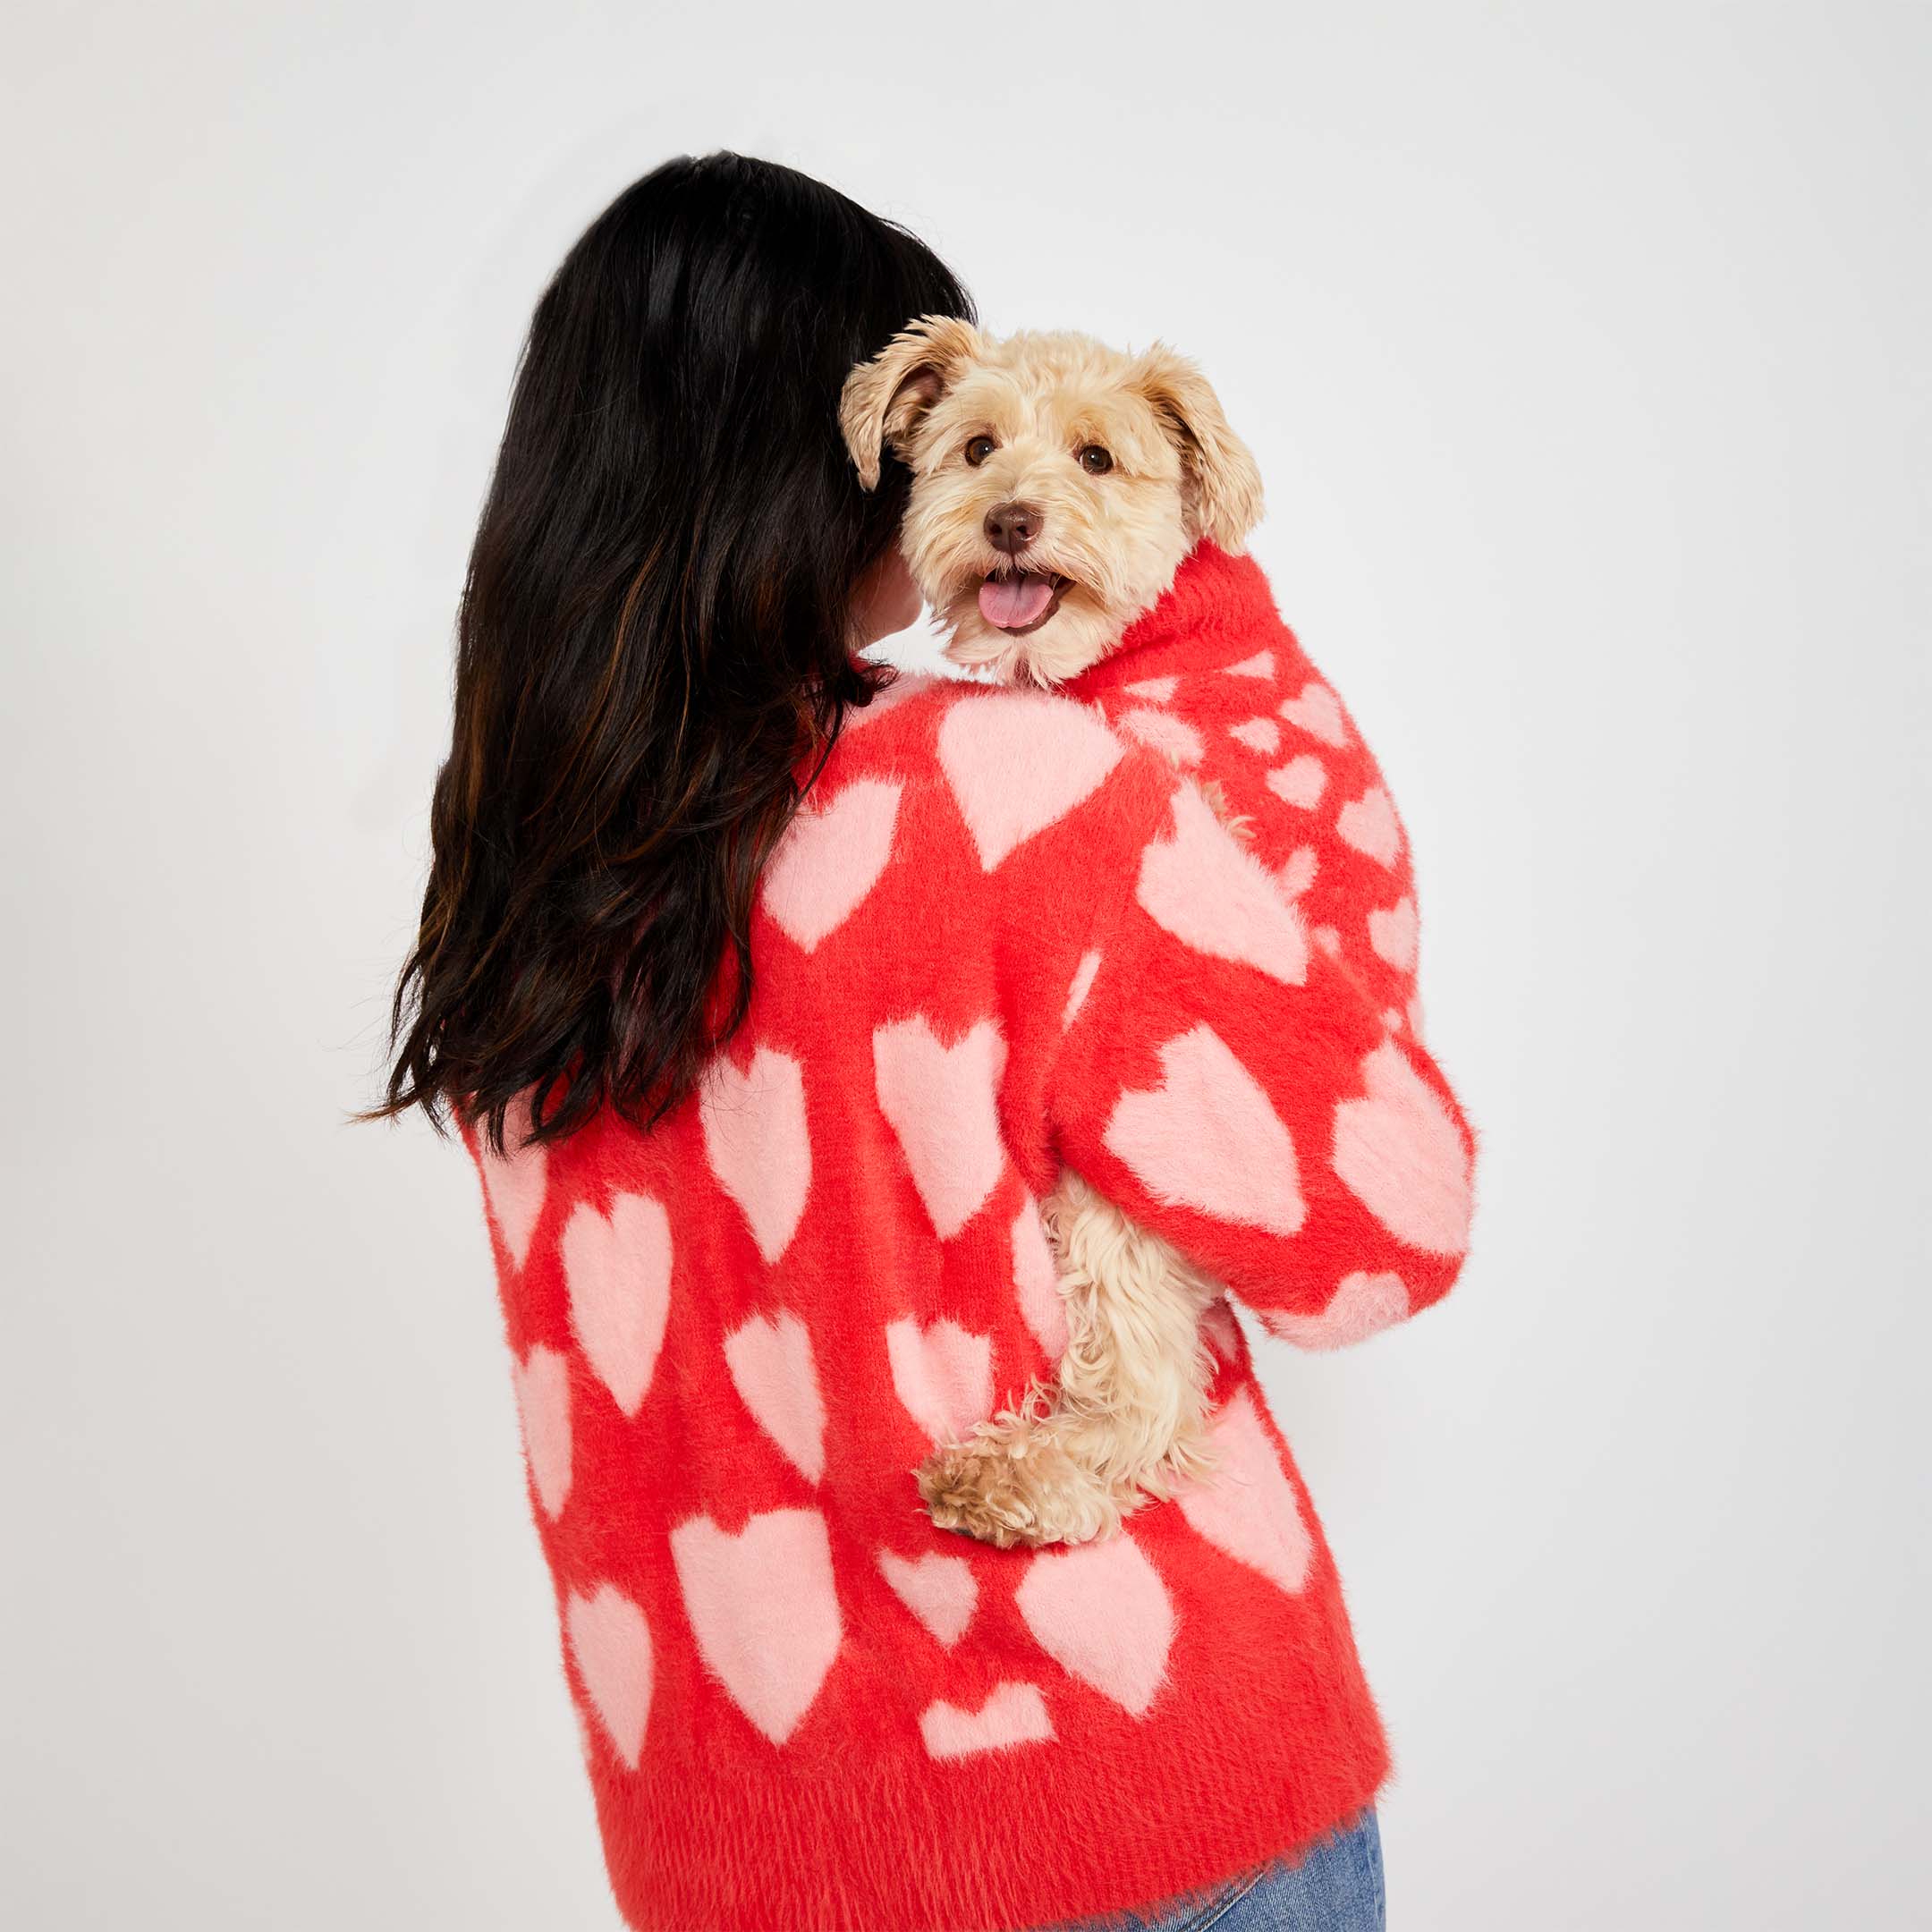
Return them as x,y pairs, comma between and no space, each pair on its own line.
770,1010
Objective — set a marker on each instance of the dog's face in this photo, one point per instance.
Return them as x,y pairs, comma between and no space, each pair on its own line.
1057,485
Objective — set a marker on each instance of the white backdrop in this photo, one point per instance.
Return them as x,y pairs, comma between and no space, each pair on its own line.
1584,349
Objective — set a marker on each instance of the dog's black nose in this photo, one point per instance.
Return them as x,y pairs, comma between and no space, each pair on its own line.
1010,527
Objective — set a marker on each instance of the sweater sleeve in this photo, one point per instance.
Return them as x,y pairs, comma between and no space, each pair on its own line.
1237,1091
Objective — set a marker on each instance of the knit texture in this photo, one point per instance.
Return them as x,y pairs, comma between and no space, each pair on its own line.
1009,932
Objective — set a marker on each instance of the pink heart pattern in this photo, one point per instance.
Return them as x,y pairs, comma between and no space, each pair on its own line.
1201,886
1208,1137
1247,1509
942,1104
617,1270
938,1590
764,1611
1261,734
1037,1277
1317,711
1161,731
1101,1612
611,1643
829,859
1013,1713
1260,665
1155,690
1020,765
943,1375
1301,782
758,1144
1362,1305
514,1182
1397,1151
1393,934
770,1360
1369,825
1298,873
542,1382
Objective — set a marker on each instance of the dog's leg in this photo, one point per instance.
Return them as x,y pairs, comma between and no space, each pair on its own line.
1127,1417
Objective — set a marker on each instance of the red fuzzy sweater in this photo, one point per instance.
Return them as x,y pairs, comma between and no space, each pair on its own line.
1003,936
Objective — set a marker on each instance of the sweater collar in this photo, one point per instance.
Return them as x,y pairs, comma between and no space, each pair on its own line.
1218,611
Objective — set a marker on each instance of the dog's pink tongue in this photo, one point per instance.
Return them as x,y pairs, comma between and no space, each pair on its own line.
1012,603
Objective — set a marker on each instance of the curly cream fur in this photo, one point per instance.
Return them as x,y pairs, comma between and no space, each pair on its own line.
1126,1417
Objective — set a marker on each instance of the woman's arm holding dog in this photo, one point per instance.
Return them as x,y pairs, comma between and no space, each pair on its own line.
1244,1095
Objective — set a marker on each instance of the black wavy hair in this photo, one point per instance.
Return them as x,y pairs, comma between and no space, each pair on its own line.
654,648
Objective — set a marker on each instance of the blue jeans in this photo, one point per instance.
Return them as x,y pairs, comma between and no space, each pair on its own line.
1335,1885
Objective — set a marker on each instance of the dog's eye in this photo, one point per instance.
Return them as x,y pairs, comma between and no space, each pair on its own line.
1094,460
978,450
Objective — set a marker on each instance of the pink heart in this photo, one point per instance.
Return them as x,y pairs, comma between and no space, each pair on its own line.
1013,1713
1248,1508
1261,734
1155,690
1160,730
618,1274
1369,825
611,1643
1301,782
1201,886
1207,1137
1317,712
1362,1305
758,1144
828,860
943,1375
542,1380
771,1367
764,1610
938,1590
1261,664
941,1102
1102,1613
1298,874
1037,1277
1018,763
1393,934
515,1181
1399,1152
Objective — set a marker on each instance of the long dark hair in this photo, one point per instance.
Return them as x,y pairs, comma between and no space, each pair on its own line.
654,647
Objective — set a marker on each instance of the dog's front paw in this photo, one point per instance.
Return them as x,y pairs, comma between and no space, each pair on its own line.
1008,1487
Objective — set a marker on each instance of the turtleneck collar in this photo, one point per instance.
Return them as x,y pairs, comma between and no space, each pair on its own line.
1217,605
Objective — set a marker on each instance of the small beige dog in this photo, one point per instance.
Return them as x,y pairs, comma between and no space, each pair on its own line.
1057,487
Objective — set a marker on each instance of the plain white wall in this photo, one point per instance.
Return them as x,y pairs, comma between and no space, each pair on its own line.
1584,349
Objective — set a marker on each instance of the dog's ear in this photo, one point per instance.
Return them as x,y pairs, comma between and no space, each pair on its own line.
884,398
1224,487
